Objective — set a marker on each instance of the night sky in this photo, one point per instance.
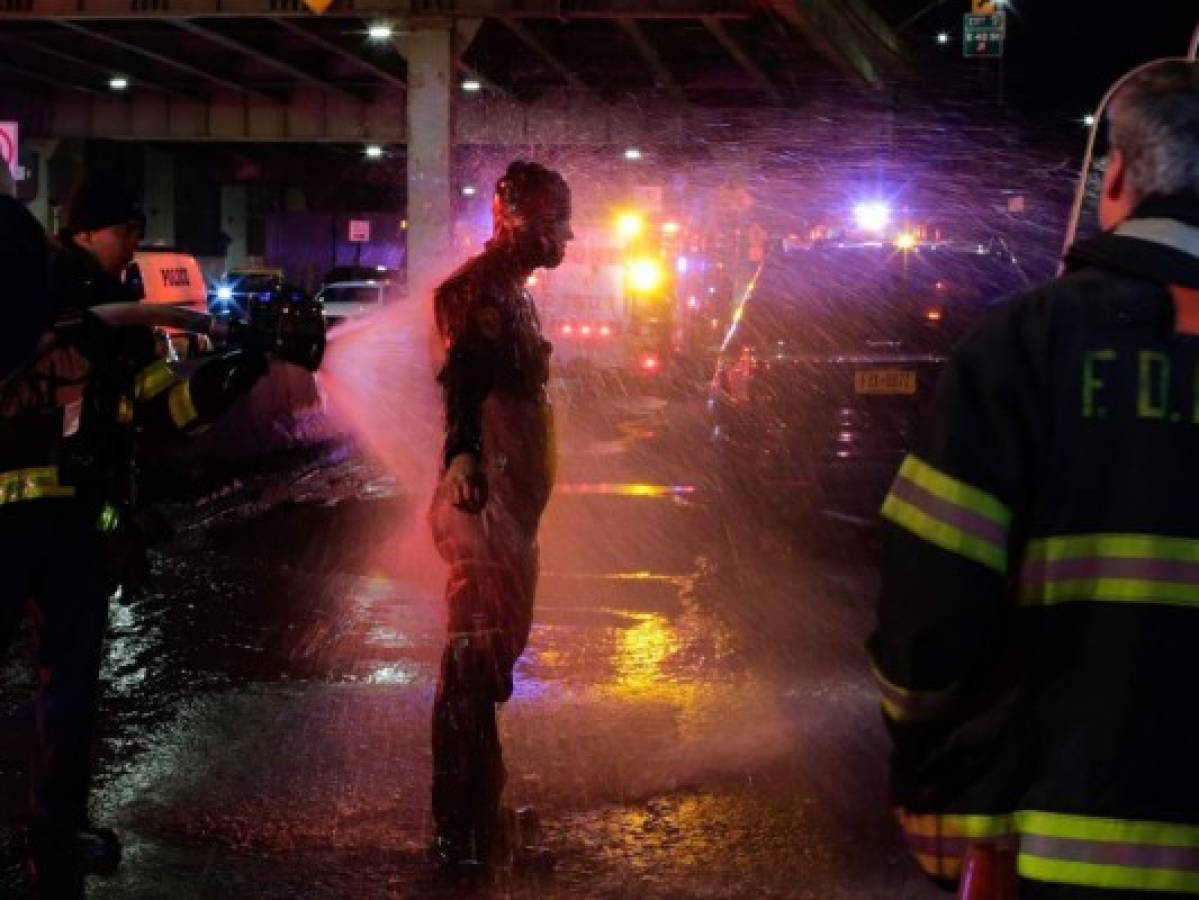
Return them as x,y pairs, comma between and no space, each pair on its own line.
1060,55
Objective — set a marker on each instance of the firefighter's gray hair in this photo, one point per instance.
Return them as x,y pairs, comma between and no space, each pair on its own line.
1154,121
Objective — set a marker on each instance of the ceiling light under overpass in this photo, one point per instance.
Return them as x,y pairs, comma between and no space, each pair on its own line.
469,191
118,82
943,37
472,85
380,31
632,154
374,151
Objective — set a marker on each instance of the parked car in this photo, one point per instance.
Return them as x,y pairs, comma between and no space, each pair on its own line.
350,299
832,353
239,288
340,274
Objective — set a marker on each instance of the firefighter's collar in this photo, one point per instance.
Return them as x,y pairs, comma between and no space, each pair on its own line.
1166,232
1156,244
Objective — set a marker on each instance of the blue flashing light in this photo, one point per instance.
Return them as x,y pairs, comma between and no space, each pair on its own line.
872,215
224,292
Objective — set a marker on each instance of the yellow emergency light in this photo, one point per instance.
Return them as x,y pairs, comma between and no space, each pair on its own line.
630,224
645,275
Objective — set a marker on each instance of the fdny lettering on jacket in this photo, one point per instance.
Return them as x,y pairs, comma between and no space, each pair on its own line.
1166,385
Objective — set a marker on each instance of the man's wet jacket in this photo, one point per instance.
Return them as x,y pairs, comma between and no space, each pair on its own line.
1039,616
73,404
494,382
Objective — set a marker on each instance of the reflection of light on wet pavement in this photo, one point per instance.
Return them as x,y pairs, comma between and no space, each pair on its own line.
626,490
678,580
396,674
641,652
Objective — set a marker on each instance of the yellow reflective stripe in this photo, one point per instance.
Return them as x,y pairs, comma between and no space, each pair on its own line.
32,484
1063,848
948,867
954,491
1119,546
1120,590
956,825
1087,874
153,380
906,705
946,536
1050,824
1124,568
183,411
1099,828
110,518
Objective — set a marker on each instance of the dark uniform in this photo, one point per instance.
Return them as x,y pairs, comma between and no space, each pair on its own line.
70,413
1040,604
494,379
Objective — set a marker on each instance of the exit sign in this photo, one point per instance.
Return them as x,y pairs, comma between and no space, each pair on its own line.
983,35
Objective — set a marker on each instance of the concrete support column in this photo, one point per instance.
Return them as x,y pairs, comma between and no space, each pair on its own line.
158,179
40,152
428,49
235,215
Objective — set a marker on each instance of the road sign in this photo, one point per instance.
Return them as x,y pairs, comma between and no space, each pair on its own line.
318,6
983,35
983,7
8,147
360,231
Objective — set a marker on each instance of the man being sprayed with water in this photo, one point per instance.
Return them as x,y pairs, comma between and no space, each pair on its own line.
498,470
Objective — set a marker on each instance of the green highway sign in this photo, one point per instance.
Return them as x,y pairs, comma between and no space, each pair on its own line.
983,35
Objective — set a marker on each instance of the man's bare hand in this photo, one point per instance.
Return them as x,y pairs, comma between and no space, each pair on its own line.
465,483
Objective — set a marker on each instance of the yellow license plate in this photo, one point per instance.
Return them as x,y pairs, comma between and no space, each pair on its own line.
884,381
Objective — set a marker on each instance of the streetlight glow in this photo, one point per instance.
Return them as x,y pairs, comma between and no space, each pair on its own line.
374,151
943,37
472,85
469,191
632,154
380,31
1089,120
118,82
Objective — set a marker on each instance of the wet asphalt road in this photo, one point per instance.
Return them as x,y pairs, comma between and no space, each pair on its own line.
693,717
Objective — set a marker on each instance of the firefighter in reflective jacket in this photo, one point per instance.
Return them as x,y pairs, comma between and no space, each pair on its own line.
1040,605
496,479
70,411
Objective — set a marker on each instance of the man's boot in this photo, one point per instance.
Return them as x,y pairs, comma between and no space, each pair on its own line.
60,857
522,839
463,849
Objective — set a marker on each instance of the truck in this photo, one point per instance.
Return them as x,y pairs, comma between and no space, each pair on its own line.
609,307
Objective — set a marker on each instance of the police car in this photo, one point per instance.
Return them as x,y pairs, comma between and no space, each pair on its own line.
165,276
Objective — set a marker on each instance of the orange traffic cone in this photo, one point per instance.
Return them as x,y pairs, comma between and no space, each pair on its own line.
989,873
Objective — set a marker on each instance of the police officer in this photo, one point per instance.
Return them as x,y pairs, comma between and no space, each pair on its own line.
72,406
498,470
1040,605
